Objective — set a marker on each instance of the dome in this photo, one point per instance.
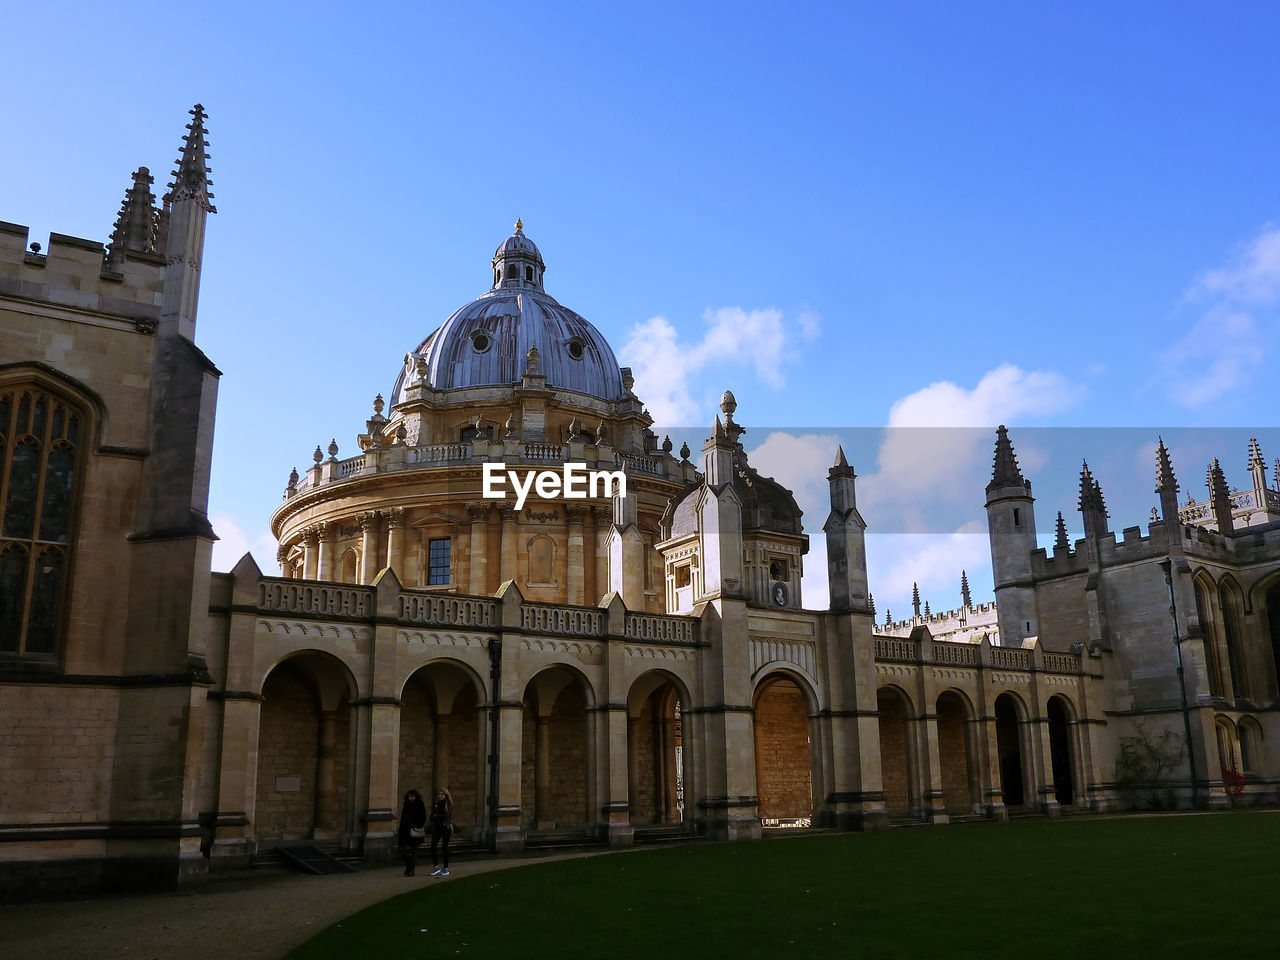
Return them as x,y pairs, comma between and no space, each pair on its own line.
486,342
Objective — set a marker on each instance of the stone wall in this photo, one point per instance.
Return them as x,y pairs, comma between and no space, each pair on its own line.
953,755
287,747
894,763
782,752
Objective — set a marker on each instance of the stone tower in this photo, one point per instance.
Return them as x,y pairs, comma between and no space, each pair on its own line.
846,542
1011,524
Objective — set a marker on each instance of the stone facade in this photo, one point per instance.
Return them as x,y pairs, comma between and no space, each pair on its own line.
630,662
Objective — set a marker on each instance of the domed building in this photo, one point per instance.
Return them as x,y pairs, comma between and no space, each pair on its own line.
511,378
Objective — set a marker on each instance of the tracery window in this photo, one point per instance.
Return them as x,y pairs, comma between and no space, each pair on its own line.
40,435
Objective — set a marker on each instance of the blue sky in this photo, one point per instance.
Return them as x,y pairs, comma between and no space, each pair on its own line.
853,215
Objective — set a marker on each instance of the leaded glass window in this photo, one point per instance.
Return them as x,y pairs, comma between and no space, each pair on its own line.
438,561
38,463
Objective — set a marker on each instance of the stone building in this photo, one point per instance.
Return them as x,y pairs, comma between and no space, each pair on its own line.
635,662
106,432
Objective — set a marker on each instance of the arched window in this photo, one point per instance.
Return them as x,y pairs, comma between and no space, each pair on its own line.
40,436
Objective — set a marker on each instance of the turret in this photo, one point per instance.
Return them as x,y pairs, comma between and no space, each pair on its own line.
1011,528
1166,484
186,207
846,541
1093,507
1220,498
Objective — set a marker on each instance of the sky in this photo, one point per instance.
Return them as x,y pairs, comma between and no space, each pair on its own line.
927,217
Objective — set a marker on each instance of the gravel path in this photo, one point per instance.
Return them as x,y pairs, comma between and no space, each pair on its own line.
259,918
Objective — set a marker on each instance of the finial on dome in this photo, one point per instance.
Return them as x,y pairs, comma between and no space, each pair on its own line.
519,224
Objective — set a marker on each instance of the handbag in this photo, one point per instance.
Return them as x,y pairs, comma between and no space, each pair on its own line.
417,833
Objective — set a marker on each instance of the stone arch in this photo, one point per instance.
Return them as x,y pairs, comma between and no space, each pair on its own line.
657,769
1265,597
1228,743
1249,732
1208,613
1010,713
1062,749
897,750
349,566
781,706
1231,604
541,550
556,762
442,743
961,790
305,775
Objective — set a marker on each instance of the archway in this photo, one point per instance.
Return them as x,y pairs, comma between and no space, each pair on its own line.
896,751
783,778
1271,604
655,750
555,758
440,737
1009,744
303,751
958,782
1060,750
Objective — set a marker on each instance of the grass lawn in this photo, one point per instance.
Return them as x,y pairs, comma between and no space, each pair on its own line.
1184,886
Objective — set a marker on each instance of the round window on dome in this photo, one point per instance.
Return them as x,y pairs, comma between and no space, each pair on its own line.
576,348
481,341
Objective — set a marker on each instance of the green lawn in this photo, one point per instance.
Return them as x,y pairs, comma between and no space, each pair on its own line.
1184,886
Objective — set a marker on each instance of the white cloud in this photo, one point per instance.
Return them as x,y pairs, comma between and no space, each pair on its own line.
665,366
934,561
1221,352
233,544
1254,277
1225,348
917,467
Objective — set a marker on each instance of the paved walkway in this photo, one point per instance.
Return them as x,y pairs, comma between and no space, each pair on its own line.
256,918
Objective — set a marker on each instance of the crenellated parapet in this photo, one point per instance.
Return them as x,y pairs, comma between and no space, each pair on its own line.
71,273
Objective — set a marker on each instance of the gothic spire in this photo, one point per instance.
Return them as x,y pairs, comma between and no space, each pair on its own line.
1165,479
135,227
915,598
1220,497
1005,471
191,179
1255,454
964,588
871,606
1061,539
1091,504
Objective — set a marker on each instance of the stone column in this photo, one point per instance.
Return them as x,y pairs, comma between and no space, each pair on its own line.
479,547
542,774
575,572
633,765
603,519
310,544
326,792
933,804
440,762
510,531
395,541
368,547
328,533
590,589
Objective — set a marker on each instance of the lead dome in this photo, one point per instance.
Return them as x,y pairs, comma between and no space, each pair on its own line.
486,342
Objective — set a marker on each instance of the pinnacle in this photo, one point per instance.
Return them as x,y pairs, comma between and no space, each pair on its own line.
1255,454
840,458
191,178
1005,471
1165,479
1061,539
1090,492
964,587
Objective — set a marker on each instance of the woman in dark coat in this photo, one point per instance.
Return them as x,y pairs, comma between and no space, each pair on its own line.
413,828
441,830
